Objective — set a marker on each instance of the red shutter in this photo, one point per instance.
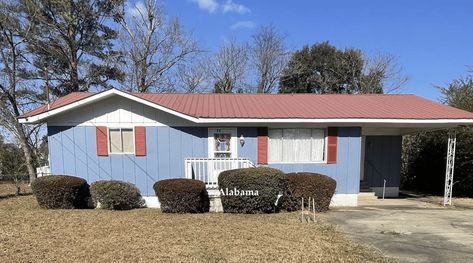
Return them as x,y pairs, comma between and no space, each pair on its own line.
263,145
332,145
101,139
140,141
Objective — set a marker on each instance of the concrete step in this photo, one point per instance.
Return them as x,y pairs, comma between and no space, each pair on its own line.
365,187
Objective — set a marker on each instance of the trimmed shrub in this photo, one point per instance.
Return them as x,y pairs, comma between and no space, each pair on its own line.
116,195
317,186
182,196
61,191
251,190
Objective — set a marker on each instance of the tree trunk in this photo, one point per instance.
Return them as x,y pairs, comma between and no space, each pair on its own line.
74,76
27,152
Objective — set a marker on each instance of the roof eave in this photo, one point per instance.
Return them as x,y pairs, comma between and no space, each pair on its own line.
99,96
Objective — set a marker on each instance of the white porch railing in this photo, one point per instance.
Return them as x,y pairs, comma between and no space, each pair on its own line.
208,169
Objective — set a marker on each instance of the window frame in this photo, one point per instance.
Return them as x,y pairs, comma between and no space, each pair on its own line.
109,139
324,161
210,141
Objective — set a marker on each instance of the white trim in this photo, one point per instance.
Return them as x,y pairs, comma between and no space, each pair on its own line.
344,200
335,121
152,201
120,128
99,96
233,142
337,199
108,93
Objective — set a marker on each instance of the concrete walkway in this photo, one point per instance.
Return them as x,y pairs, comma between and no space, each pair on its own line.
410,230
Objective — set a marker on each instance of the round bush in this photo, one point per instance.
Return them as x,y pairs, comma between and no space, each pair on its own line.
116,195
317,186
182,196
251,190
61,191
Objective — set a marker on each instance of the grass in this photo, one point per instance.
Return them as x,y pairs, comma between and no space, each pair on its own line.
31,234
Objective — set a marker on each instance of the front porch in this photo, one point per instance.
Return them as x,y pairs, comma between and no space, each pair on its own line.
207,169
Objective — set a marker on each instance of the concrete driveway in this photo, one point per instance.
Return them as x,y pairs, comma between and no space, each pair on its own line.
410,230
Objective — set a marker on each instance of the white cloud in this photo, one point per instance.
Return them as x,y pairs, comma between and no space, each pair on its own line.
230,6
243,24
207,5
136,9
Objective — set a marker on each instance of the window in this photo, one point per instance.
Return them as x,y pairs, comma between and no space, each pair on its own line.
222,145
296,145
120,140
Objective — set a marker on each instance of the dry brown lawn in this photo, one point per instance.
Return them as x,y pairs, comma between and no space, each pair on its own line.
31,234
8,189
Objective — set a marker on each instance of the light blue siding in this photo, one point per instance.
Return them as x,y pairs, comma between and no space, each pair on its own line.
250,148
383,160
347,169
73,152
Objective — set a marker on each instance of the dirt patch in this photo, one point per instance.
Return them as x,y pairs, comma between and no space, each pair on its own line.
31,234
462,202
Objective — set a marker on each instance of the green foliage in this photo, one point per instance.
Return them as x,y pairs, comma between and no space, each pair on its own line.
12,163
459,93
116,195
61,191
304,185
182,196
424,154
322,68
73,41
268,183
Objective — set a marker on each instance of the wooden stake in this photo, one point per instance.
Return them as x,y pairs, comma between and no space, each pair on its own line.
302,211
313,207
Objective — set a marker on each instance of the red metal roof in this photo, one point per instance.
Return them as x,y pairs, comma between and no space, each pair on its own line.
63,101
306,106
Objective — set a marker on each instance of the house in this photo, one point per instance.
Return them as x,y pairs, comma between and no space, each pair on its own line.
144,137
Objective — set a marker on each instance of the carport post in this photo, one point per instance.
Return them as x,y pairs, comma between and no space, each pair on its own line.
452,141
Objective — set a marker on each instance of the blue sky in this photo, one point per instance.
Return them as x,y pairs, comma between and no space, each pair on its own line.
432,40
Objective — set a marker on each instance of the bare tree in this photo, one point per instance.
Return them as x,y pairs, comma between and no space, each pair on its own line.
269,57
152,46
382,72
228,67
192,76
16,93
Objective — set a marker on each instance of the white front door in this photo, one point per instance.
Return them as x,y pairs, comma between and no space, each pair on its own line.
222,147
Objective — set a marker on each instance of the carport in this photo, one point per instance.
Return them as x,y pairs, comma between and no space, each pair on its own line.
381,155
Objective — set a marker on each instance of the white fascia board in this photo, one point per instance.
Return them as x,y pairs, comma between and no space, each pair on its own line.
341,121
